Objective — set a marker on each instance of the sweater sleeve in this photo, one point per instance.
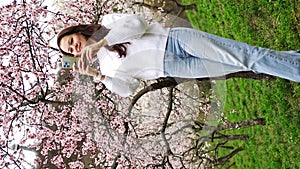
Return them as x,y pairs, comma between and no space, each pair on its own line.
121,86
123,27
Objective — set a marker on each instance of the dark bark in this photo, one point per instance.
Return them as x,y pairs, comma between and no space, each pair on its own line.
171,82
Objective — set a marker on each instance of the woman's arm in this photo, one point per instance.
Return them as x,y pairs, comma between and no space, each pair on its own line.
123,27
121,86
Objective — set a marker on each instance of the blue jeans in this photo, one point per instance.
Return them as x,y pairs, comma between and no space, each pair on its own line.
192,53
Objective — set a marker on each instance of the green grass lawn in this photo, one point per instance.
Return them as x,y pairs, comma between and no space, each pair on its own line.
265,23
276,145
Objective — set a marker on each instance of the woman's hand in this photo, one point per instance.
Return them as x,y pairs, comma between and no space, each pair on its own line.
86,70
90,51
86,58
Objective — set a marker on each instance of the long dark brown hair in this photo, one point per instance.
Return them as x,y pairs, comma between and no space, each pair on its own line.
94,31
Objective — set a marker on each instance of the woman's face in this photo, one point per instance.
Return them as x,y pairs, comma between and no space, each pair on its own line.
73,43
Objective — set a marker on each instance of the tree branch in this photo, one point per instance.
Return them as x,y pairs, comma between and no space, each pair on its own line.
165,123
224,159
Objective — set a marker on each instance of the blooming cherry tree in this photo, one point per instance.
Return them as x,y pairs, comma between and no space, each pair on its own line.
72,122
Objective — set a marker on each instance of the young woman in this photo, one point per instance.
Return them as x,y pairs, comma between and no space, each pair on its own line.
129,49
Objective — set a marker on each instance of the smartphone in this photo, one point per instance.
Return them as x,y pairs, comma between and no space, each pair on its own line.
68,61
